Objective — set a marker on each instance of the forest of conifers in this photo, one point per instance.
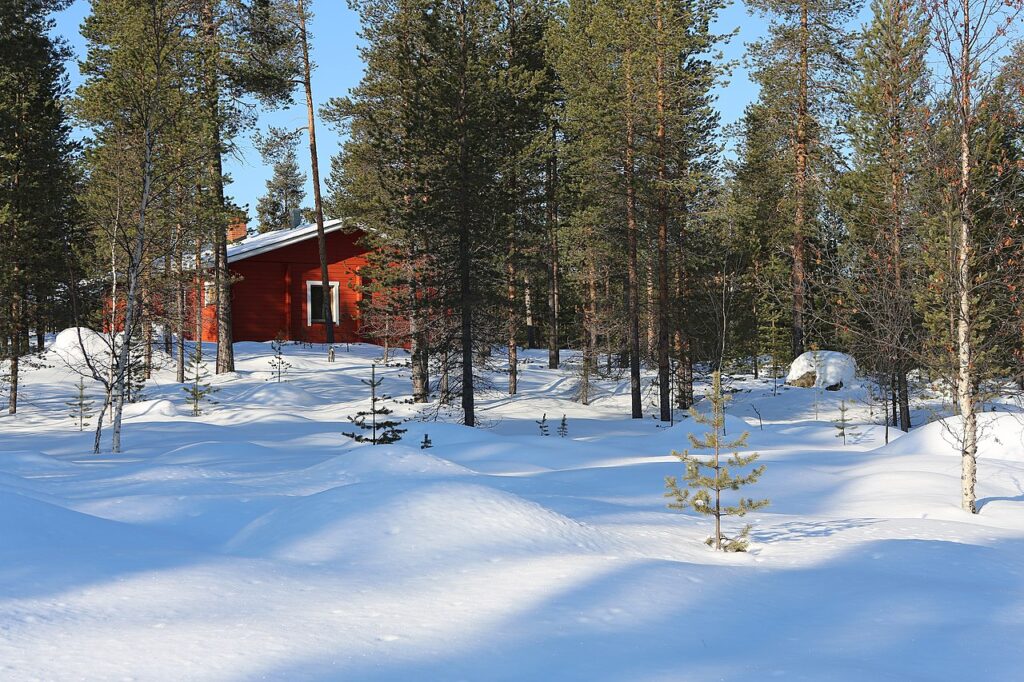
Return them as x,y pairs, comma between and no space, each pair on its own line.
543,173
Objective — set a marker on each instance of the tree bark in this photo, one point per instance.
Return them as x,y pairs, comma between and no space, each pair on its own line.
965,313
800,186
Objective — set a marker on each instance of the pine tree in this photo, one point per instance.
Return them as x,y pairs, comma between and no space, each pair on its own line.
805,51
81,406
198,390
563,427
430,177
884,192
37,240
248,50
382,431
277,209
710,477
426,443
278,365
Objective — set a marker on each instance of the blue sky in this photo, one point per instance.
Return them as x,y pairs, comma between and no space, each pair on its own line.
339,69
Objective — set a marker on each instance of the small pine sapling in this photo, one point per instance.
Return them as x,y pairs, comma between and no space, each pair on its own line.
278,365
563,427
382,431
842,423
198,389
426,443
81,406
709,477
135,379
542,424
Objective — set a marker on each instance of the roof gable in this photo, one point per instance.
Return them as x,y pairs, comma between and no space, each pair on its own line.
270,241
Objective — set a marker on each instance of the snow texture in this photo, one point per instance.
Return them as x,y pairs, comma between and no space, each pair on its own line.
257,542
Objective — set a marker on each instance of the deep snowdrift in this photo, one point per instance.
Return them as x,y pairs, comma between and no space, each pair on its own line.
257,542
1000,436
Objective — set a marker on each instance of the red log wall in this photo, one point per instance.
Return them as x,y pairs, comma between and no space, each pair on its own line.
270,295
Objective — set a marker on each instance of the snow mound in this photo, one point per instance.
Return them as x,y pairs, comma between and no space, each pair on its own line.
399,523
234,455
151,408
369,461
68,349
29,463
31,524
827,368
1000,436
272,394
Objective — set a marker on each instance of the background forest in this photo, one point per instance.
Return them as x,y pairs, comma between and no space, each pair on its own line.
541,174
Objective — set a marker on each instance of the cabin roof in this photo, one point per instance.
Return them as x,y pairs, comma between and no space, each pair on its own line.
268,241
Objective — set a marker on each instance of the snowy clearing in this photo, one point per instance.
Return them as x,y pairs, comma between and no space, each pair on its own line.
256,542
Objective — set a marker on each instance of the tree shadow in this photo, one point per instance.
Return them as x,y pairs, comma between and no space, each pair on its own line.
802,530
885,610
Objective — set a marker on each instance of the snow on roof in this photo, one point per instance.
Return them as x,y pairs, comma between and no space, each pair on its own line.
268,241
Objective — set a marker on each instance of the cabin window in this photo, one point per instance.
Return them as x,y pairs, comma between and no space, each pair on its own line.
209,292
315,303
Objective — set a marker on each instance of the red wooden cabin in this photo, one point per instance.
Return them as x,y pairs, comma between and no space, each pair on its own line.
278,285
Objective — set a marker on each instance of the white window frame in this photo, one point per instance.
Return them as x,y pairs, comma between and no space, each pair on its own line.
335,303
209,292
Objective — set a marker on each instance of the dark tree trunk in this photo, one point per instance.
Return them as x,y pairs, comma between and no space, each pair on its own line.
903,391
632,287
553,264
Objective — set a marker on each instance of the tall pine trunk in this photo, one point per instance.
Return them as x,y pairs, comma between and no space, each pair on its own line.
799,275
632,284
318,207
664,380
553,263
222,277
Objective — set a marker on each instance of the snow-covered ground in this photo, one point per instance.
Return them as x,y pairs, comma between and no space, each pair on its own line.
256,542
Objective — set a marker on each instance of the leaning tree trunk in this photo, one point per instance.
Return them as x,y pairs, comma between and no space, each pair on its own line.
318,206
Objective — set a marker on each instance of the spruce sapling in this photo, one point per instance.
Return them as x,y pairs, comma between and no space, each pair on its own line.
81,406
563,427
278,365
198,389
542,424
842,423
426,444
709,477
382,431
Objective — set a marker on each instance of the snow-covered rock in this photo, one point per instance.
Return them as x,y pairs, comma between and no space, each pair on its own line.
822,369
70,343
